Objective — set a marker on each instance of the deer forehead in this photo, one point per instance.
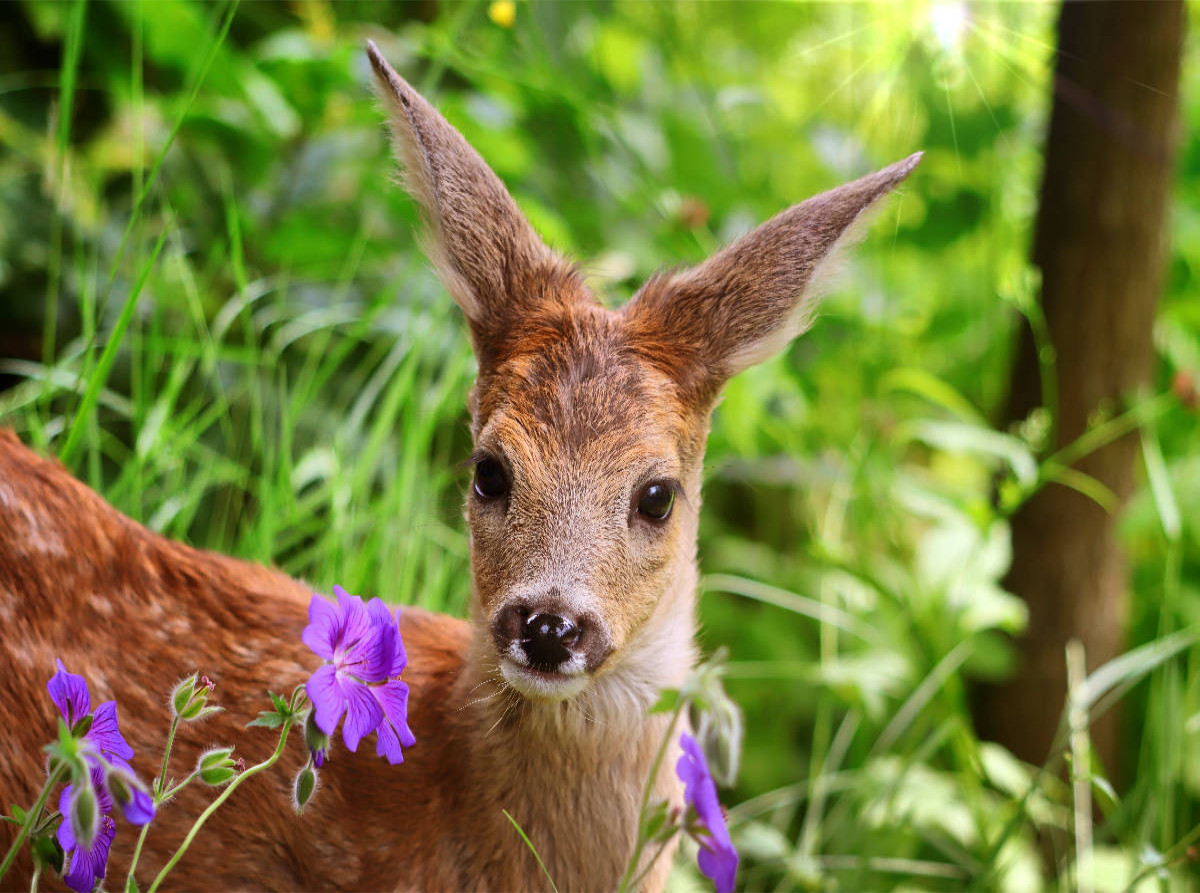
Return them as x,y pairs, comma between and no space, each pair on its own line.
584,401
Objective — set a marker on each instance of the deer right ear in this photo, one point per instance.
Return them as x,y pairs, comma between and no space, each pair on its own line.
484,250
747,301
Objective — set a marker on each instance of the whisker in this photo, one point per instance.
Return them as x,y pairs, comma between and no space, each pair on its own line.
475,701
507,708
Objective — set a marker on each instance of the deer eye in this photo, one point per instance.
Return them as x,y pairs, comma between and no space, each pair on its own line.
491,480
655,501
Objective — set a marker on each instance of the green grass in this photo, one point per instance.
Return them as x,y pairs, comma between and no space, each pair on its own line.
245,350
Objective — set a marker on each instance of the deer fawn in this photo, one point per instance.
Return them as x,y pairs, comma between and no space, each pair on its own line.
589,427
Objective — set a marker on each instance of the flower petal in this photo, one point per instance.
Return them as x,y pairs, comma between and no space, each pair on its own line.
324,627
691,767
394,733
86,867
384,618
66,800
371,656
69,692
720,866
140,809
105,734
363,714
718,860
96,771
356,629
66,838
327,699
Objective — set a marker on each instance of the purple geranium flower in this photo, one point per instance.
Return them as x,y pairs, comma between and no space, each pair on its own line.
70,695
127,791
110,778
86,864
718,859
366,655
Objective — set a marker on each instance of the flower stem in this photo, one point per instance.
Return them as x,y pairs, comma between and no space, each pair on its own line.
631,868
31,818
159,797
37,876
650,864
162,775
215,805
179,787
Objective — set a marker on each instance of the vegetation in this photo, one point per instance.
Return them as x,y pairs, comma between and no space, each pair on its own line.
215,311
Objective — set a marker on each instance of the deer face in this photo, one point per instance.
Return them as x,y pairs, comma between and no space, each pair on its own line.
589,424
583,505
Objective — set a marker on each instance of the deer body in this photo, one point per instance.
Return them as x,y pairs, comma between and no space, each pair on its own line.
143,608
589,426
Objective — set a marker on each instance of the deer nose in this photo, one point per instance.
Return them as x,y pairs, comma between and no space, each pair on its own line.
547,640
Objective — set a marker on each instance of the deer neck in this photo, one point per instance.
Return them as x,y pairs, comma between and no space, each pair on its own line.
572,773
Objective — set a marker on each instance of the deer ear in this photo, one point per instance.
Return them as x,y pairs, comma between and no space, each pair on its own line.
484,250
747,301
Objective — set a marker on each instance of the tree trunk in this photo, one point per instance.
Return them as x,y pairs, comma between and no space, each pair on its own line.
1101,244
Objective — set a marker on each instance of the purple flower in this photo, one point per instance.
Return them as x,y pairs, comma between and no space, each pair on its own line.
365,655
87,829
718,859
86,862
70,695
127,791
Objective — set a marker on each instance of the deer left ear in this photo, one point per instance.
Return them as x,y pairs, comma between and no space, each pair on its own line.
746,302
485,252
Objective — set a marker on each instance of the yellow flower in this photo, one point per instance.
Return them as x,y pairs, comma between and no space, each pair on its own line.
503,13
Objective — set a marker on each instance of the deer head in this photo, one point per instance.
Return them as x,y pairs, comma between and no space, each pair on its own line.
589,424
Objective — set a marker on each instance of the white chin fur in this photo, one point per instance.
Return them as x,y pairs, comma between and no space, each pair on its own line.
541,686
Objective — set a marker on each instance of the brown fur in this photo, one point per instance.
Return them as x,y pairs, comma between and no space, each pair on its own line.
584,405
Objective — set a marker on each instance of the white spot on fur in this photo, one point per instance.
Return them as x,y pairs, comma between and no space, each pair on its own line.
31,535
245,653
100,604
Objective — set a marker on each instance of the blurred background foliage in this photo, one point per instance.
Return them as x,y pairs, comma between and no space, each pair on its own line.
214,308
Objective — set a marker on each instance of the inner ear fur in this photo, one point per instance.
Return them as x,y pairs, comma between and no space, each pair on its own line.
485,252
746,302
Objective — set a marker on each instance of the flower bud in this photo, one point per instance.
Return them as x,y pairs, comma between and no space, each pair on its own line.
189,699
304,787
82,727
217,766
719,733
84,815
317,741
716,719
128,792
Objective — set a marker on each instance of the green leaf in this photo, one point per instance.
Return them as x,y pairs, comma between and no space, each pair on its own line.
529,844
47,851
935,390
1134,664
655,820
957,437
274,719
667,699
268,719
1160,484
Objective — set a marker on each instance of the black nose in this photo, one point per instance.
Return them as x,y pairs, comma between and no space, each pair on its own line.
547,639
